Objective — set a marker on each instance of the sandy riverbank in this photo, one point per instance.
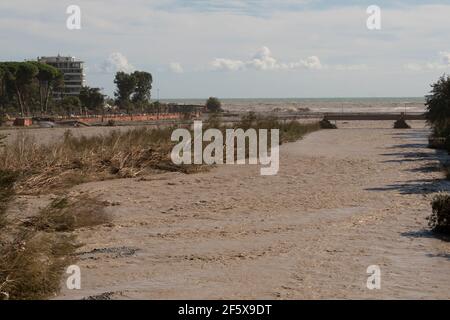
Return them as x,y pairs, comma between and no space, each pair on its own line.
343,200
50,135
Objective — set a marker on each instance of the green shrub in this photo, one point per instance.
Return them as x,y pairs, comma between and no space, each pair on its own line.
439,220
326,124
446,169
437,142
438,107
250,119
2,118
213,105
447,144
214,121
401,124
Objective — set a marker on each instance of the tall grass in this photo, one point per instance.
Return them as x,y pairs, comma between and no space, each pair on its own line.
32,263
117,154
68,214
7,180
31,267
289,130
76,160
2,137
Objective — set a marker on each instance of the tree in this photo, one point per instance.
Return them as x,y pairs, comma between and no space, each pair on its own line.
8,95
2,79
126,85
3,92
24,76
213,105
91,98
49,78
438,107
3,117
27,85
20,76
110,101
155,107
133,90
70,104
142,92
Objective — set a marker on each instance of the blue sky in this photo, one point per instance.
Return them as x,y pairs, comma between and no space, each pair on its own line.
235,48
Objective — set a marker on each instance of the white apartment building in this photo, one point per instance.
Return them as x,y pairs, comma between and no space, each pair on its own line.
72,69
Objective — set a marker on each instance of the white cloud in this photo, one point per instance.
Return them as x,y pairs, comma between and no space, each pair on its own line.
176,67
226,64
442,64
116,62
155,33
312,62
445,58
264,60
351,67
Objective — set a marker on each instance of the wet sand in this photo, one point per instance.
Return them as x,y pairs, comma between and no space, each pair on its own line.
343,200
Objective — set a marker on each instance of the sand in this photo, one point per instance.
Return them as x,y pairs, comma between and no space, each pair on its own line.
343,200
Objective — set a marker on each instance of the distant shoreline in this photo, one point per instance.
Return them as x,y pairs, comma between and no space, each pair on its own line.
295,98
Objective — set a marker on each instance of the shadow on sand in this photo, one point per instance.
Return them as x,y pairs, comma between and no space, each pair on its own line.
419,186
431,161
439,255
415,151
427,234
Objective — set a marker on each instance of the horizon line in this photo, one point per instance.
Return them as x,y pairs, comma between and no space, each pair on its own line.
312,98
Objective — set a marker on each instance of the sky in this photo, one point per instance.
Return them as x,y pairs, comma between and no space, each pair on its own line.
241,49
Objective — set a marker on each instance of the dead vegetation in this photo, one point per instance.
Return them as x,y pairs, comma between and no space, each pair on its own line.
31,267
34,255
68,214
75,160
7,180
31,264
2,137
289,130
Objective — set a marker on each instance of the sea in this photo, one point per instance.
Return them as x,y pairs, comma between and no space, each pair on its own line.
407,104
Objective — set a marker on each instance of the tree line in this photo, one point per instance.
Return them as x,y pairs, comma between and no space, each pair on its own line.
27,89
132,94
134,91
